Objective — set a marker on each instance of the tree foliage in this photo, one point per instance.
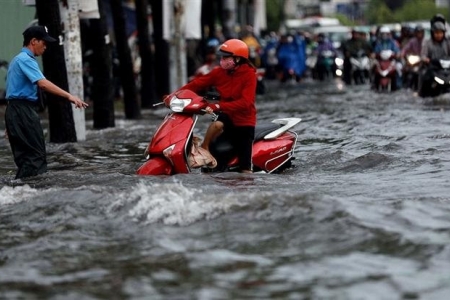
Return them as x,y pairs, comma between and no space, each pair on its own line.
344,20
378,12
418,10
274,11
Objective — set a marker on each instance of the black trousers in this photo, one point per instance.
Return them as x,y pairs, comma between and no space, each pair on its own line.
26,138
241,138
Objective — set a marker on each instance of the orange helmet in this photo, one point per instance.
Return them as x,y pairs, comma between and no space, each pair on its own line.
234,47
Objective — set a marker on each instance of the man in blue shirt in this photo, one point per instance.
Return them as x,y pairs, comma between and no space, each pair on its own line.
23,126
386,42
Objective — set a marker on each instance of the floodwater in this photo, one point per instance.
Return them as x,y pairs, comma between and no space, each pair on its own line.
364,213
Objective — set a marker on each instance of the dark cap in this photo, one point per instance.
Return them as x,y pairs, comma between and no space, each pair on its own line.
38,32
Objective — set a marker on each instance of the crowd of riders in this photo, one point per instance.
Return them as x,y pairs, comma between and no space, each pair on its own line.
299,54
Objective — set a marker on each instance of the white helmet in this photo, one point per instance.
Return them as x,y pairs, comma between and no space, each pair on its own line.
385,29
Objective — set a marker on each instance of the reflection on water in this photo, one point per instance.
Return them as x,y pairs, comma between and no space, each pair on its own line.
363,214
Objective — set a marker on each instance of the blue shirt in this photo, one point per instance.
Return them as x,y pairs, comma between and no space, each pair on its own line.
388,44
23,73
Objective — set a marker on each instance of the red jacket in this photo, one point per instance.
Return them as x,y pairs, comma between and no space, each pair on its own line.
237,92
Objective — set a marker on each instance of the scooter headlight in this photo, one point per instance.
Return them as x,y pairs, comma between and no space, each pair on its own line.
445,63
178,105
438,80
413,59
386,54
339,61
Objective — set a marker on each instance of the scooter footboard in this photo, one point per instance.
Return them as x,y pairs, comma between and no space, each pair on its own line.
155,166
269,156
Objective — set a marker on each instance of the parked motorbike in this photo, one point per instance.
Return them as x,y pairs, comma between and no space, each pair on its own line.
174,149
411,71
360,67
438,80
385,71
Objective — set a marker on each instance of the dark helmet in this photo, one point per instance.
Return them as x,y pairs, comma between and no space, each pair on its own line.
234,47
437,18
321,37
419,28
438,26
407,28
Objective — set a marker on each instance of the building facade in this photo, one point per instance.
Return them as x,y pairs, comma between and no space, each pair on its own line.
353,9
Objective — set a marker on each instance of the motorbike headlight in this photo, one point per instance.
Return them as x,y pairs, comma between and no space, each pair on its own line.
438,80
386,54
445,63
177,104
413,59
339,61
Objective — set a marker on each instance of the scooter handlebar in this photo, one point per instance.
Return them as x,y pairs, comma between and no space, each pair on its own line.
214,116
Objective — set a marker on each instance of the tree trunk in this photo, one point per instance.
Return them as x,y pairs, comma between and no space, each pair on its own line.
101,71
68,10
148,96
161,51
132,110
60,115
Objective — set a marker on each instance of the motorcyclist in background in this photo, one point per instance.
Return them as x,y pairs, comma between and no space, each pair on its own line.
411,55
406,34
433,49
414,45
209,60
323,44
437,46
250,39
350,48
291,58
387,42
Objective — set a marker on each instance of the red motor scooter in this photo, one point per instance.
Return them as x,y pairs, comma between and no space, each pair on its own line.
385,71
174,149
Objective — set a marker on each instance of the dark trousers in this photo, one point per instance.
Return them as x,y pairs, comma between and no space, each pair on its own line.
347,72
26,138
241,137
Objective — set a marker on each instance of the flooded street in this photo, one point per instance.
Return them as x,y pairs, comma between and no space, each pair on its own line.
364,213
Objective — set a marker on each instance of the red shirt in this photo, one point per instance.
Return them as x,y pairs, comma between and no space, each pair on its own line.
237,92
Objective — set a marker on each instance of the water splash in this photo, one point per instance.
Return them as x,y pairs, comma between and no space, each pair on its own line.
172,204
12,195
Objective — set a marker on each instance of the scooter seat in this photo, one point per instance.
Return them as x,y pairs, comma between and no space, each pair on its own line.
262,130
223,145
